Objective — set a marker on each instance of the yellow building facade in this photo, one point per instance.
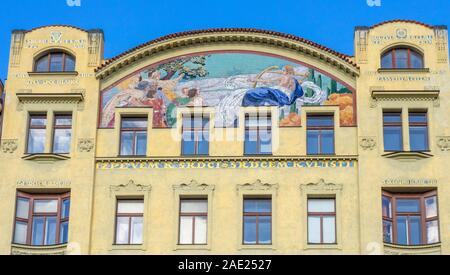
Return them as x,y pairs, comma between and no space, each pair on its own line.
227,141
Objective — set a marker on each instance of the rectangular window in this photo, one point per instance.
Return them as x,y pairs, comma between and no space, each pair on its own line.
322,221
195,134
62,134
418,131
133,136
257,221
392,127
129,222
36,134
258,134
320,135
193,222
410,219
42,220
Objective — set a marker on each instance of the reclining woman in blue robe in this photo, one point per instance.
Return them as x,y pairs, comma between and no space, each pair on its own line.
285,93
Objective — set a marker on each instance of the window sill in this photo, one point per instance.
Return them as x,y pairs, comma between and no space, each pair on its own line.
46,157
407,156
393,249
180,247
74,73
118,247
323,247
257,247
420,70
17,249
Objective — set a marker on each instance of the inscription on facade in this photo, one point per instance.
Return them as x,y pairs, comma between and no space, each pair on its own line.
43,183
410,182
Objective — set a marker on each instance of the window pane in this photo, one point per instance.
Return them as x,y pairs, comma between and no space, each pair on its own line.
266,141
418,138
402,233
63,121
64,233
126,146
265,230
251,144
392,118
194,206
321,205
313,142
418,118
137,226
314,230
56,62
62,140
201,230
65,212
42,64
122,230
141,144
203,143
393,139
432,232
386,61
416,231
50,231
387,232
23,208
36,141
431,207
408,206
329,230
327,142
401,58
37,236
45,206
188,143
416,60
186,226
130,207
320,121
249,230
387,207
20,233
70,64
257,206
134,123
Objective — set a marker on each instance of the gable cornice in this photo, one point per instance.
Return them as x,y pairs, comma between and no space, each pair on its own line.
278,40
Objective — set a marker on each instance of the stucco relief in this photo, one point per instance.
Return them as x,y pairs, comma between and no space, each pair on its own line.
321,185
444,143
85,145
130,187
194,186
9,146
257,186
368,143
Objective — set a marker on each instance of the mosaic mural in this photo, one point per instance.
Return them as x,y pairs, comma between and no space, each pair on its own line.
227,81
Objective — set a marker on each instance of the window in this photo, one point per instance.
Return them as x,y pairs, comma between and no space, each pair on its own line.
193,222
258,134
321,221
62,134
129,222
36,134
55,62
320,135
257,221
402,58
392,127
410,219
418,131
133,137
42,220
195,135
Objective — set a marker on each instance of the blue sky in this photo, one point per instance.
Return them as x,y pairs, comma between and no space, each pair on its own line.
128,23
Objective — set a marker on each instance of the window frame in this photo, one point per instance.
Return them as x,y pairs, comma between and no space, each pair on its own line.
135,131
320,134
393,53
129,216
322,215
32,116
31,215
193,216
48,55
257,215
420,124
392,125
63,127
393,197
258,128
196,131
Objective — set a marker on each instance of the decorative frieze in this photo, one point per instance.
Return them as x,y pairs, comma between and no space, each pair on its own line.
441,34
16,47
321,185
408,96
443,143
94,47
9,146
257,186
130,187
194,186
85,145
368,143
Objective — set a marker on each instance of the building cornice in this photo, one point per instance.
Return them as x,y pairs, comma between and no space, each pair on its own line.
335,59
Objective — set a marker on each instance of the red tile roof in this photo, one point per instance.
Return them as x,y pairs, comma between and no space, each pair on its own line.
401,21
61,26
342,56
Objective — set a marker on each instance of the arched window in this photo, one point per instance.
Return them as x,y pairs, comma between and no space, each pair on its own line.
55,62
402,58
